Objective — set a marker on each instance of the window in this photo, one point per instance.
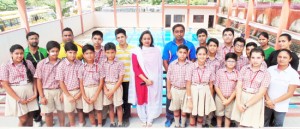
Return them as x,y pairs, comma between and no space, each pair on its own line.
198,19
178,18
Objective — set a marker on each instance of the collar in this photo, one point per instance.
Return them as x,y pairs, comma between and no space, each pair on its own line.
68,62
234,70
185,62
197,65
115,60
262,68
183,41
27,49
286,70
47,60
224,46
128,46
86,64
10,61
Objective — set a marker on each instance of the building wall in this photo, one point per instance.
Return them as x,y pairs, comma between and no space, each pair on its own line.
205,12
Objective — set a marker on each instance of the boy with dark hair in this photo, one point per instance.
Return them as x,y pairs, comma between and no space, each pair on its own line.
239,44
48,87
91,85
124,56
67,36
249,47
202,37
228,36
67,74
113,73
176,90
97,39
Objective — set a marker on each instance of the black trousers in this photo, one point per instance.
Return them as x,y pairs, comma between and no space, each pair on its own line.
37,114
126,106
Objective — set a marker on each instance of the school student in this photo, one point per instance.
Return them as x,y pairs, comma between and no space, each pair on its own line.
199,82
124,56
176,85
48,88
17,79
97,39
284,43
263,40
228,36
169,55
91,85
113,91
284,81
251,87
239,44
202,37
249,47
67,74
225,83
212,59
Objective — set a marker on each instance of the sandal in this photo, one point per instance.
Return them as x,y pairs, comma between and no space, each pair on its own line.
149,124
144,124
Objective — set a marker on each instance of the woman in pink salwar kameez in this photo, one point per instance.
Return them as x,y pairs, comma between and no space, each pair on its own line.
145,88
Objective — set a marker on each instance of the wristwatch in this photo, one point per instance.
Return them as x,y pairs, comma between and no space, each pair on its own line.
245,106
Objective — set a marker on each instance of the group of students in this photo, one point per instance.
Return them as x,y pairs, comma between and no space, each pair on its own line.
203,82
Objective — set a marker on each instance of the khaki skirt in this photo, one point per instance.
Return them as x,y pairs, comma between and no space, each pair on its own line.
13,108
203,101
253,116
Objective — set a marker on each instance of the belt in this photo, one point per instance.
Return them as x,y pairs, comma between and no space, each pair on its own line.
249,92
202,84
18,84
74,89
179,88
110,82
51,88
92,85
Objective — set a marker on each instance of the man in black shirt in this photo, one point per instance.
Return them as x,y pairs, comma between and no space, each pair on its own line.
35,54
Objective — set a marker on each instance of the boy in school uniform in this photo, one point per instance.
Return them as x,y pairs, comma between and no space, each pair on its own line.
124,56
91,85
228,36
176,85
113,73
225,83
67,74
48,88
202,37
239,44
97,39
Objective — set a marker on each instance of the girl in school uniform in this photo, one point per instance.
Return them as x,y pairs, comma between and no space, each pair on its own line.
199,81
251,87
17,80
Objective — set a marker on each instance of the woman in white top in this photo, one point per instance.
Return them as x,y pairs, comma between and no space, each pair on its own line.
284,81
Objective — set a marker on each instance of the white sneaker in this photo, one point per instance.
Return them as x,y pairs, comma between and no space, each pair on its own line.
37,124
81,124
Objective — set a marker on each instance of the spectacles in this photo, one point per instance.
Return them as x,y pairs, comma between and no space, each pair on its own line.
241,46
230,61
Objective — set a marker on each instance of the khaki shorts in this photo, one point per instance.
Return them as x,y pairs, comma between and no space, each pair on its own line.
13,108
221,109
97,105
116,100
53,99
178,99
70,107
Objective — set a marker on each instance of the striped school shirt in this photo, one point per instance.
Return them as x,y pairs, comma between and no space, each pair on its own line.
124,56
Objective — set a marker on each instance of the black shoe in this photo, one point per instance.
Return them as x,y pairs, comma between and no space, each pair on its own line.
112,125
121,125
103,122
126,122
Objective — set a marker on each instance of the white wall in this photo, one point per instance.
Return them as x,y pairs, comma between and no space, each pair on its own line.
48,31
127,19
8,39
104,19
88,21
205,12
73,23
150,19
173,12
